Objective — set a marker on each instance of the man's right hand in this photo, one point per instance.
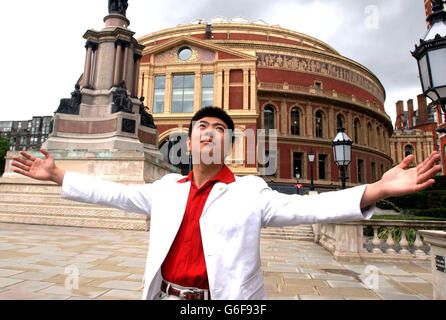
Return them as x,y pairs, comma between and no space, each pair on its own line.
39,169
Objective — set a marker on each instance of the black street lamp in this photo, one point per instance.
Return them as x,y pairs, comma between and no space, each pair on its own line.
342,150
311,160
431,57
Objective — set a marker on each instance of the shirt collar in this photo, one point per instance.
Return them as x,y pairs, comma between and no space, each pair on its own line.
225,175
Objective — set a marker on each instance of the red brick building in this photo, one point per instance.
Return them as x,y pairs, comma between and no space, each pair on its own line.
415,131
267,77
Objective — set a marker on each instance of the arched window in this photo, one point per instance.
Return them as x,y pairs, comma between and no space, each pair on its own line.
295,122
268,118
369,134
408,150
319,124
340,121
357,129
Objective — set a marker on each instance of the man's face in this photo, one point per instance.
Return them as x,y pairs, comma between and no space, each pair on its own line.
207,141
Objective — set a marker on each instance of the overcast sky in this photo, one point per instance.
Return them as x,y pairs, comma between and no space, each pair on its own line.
43,50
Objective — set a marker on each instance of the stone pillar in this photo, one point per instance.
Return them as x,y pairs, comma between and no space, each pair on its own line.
283,118
437,241
253,90
350,130
219,89
125,63
137,60
245,89
149,89
168,94
332,123
226,86
419,157
118,62
197,91
87,69
309,118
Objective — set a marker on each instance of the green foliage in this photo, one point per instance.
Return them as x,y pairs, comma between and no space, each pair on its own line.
430,212
396,234
440,183
387,205
4,148
427,203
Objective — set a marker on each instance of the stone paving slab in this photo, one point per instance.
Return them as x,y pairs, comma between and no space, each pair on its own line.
40,262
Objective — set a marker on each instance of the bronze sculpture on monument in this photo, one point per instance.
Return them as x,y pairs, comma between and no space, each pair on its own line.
101,131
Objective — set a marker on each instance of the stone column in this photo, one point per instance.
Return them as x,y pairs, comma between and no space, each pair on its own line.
253,90
332,123
283,118
245,89
219,88
168,94
118,63
309,118
419,157
87,69
350,128
149,88
226,85
197,91
125,63
137,60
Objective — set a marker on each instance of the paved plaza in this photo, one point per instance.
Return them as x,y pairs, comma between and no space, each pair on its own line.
50,262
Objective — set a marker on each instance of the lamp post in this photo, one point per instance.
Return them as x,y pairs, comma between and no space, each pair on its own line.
311,160
342,150
431,57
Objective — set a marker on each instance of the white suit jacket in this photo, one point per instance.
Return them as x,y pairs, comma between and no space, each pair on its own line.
230,223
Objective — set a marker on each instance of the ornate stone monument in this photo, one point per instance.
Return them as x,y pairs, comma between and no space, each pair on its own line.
103,130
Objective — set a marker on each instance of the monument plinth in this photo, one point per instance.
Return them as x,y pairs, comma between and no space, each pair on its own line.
102,130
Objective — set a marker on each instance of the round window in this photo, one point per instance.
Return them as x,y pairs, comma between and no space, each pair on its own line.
184,53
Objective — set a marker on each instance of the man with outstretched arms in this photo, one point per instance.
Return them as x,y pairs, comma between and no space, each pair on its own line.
205,227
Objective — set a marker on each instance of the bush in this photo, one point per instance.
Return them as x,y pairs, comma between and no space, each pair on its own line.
430,212
421,200
4,148
387,205
440,183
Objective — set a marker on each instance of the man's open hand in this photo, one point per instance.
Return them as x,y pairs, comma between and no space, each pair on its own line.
39,169
400,181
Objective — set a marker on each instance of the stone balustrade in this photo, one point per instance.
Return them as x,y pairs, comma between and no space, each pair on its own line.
347,242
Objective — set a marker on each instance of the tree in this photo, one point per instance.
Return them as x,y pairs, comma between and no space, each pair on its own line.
4,148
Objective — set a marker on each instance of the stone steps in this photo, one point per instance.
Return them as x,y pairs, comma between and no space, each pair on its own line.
38,199
301,232
42,204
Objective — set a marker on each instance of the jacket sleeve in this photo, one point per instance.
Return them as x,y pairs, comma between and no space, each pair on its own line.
280,209
88,189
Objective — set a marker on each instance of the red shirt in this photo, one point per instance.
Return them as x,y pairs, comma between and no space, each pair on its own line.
185,264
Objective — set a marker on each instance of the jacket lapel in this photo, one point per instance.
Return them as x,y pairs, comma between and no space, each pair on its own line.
217,191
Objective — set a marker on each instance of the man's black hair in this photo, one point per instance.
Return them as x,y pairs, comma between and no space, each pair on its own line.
214,112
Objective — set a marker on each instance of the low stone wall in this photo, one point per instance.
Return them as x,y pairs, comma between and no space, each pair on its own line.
346,241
